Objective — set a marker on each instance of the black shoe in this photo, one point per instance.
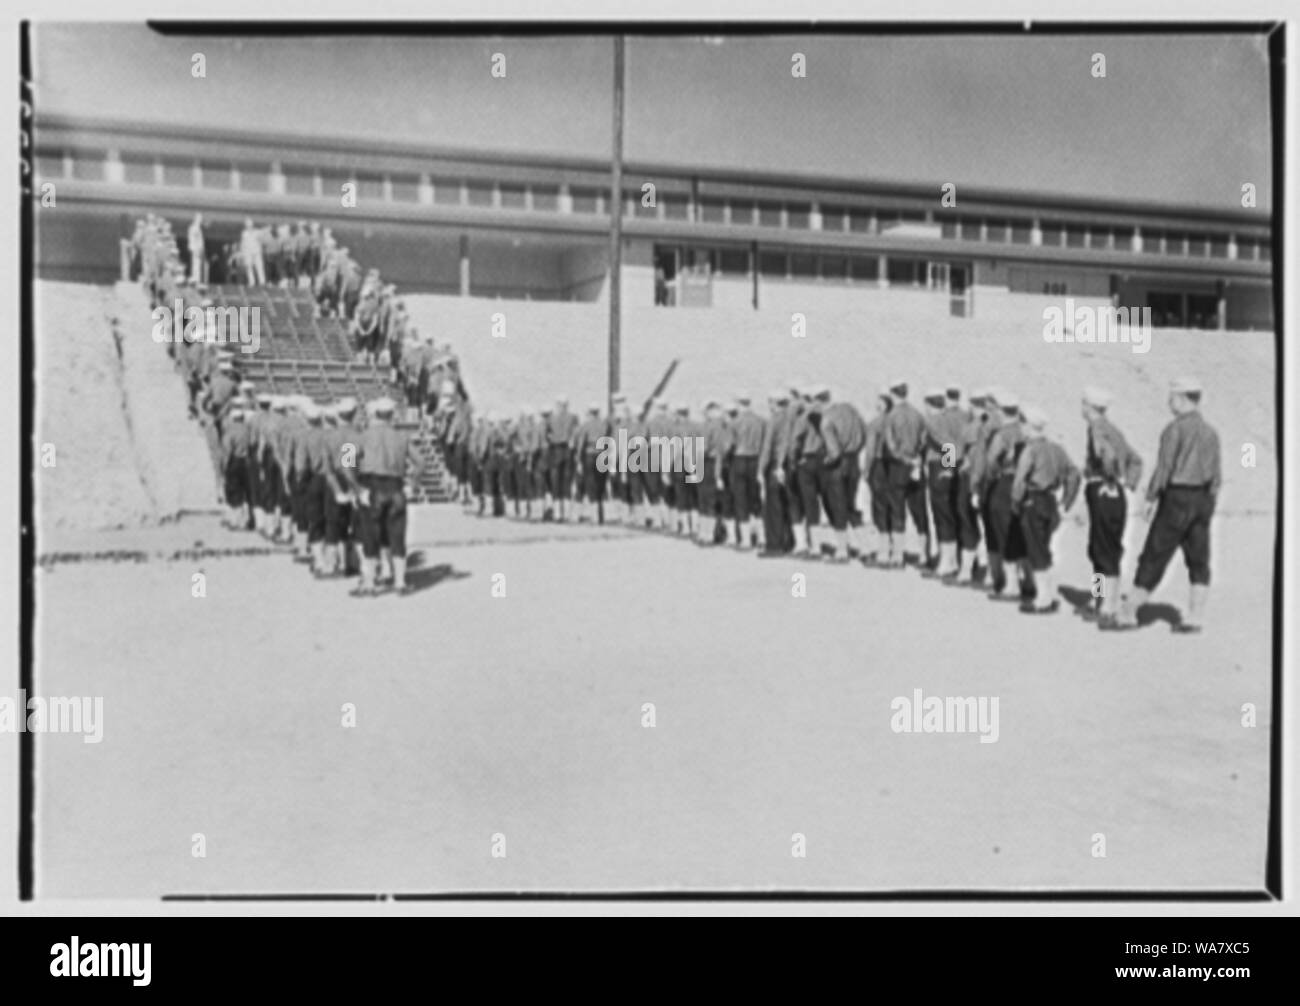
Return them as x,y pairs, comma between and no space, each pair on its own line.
1111,623
1029,608
1186,629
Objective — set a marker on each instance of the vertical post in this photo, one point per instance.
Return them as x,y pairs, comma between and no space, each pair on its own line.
753,272
616,223
464,265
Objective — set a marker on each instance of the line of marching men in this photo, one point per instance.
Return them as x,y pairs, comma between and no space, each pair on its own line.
328,479
969,489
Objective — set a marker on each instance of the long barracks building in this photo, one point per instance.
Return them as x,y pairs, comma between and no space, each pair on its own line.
512,226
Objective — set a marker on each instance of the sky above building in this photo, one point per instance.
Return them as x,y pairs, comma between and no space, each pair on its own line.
1176,119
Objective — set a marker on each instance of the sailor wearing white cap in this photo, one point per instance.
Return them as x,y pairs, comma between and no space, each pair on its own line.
384,458
1110,467
1183,491
339,555
903,444
1006,542
586,452
943,428
1042,471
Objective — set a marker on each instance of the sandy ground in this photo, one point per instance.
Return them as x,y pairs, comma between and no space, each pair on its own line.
522,716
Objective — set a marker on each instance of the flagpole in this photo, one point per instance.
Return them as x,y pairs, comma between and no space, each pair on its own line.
616,225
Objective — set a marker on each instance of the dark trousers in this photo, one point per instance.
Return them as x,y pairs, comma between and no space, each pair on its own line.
778,531
898,488
561,471
830,491
338,519
790,479
968,521
1005,535
943,501
851,474
807,475
383,521
707,495
593,479
878,483
1182,521
314,507
1039,519
1107,514
236,481
744,488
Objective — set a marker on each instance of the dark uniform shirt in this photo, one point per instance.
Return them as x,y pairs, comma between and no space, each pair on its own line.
1045,467
843,429
1189,456
1004,449
383,450
236,440
775,433
587,433
1109,457
875,441
945,429
806,437
560,427
748,434
904,433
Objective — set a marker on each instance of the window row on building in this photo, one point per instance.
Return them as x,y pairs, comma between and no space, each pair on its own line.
672,203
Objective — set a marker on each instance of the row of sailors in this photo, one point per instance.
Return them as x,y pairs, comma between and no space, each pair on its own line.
979,481
324,480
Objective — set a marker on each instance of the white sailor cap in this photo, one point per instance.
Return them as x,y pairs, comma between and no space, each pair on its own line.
1185,386
779,395
1097,397
1035,417
1008,401
935,394
381,406
898,387
595,407
345,406
743,398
